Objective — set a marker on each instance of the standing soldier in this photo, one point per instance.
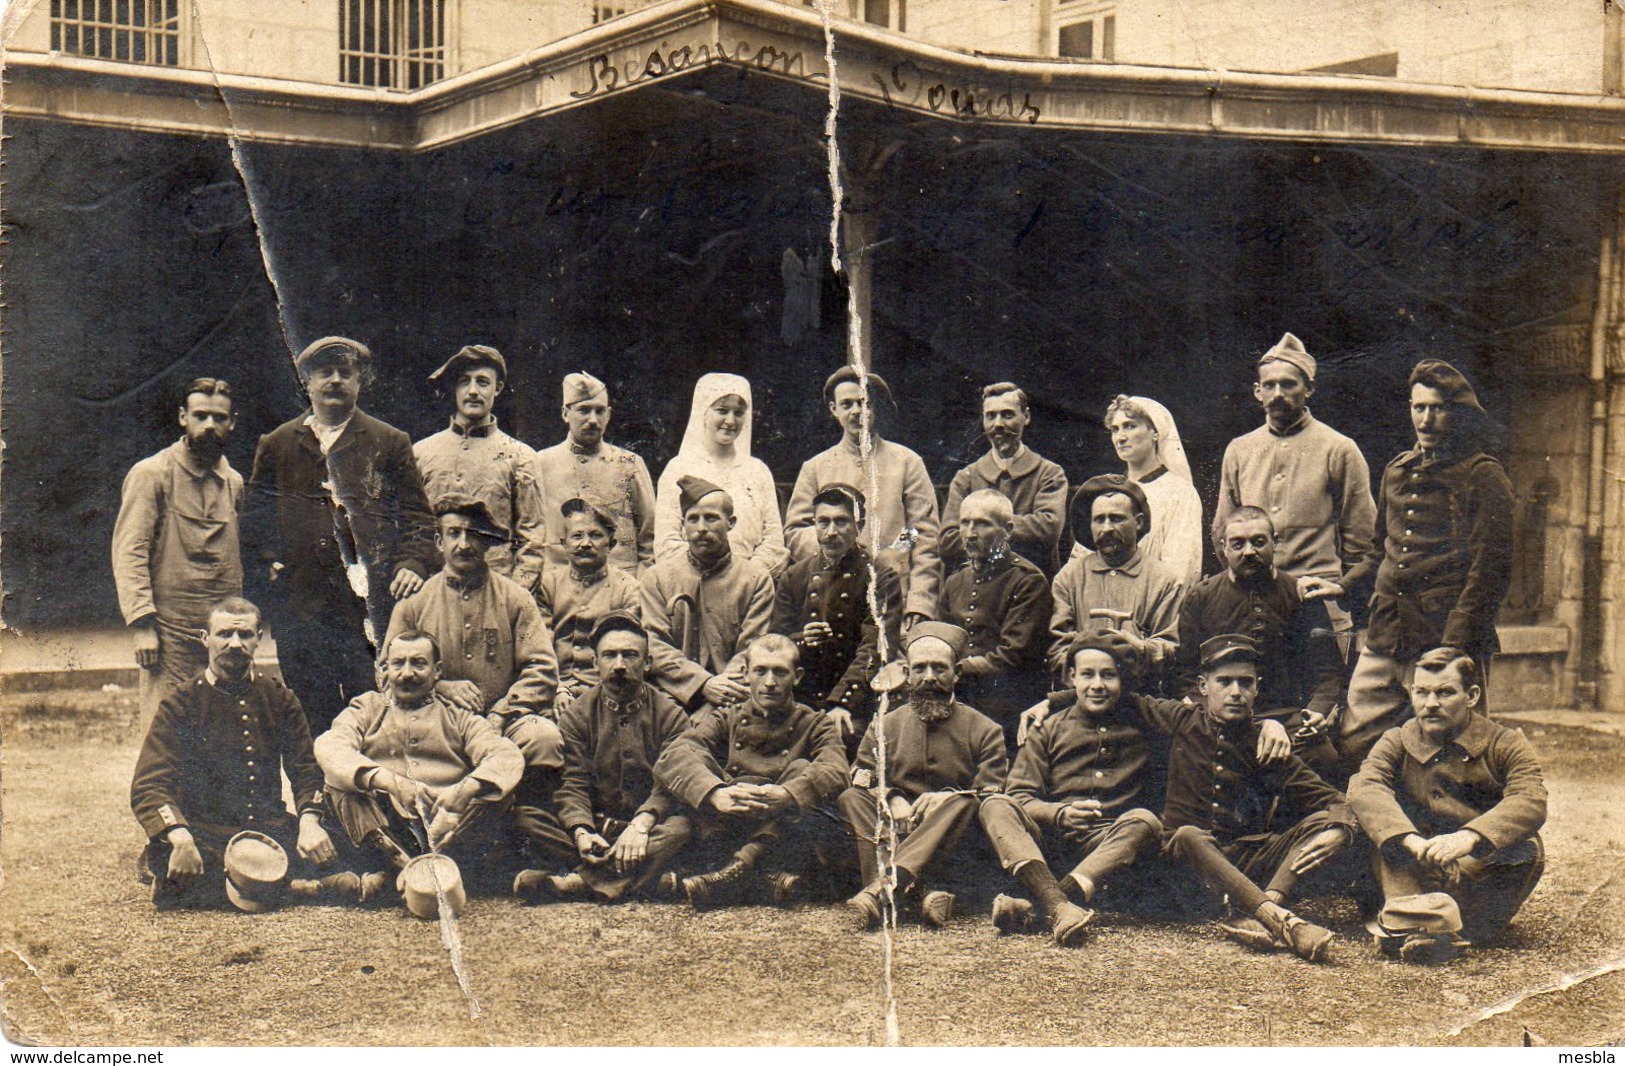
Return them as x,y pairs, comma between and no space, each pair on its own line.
586,466
175,550
1035,486
903,513
474,457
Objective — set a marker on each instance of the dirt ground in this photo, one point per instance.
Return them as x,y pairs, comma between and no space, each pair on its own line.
88,962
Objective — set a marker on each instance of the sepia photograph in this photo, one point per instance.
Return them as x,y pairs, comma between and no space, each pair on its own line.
649,523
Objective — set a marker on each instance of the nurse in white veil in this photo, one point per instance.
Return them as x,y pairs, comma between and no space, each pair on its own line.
1146,439
716,447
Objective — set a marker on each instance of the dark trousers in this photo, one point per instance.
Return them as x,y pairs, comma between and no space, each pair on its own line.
1100,850
932,840
1234,867
326,664
1490,892
209,889
553,845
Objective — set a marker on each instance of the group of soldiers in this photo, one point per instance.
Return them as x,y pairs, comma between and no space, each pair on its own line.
538,664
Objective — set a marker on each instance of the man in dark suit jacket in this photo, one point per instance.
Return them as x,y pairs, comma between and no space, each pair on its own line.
337,530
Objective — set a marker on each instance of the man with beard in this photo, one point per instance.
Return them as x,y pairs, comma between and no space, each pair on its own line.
902,518
614,733
1443,560
1236,810
756,774
823,605
1035,486
612,479
175,547
472,456
1002,602
409,772
1115,585
941,759
337,531
1453,803
212,767
497,654
704,608
1300,673
1312,481
574,597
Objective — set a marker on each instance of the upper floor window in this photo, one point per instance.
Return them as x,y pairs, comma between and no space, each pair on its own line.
395,44
135,31
889,13
1085,33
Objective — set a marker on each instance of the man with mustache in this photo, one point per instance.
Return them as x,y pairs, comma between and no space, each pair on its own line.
1453,803
212,766
496,652
756,775
409,772
573,597
703,608
903,525
1312,481
337,531
823,605
941,758
1236,811
1115,585
1036,487
1300,673
1002,602
608,818
586,466
175,542
474,457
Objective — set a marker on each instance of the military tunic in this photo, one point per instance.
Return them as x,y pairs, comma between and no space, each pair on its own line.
837,671
488,464
701,623
800,749
571,606
1035,487
614,480
1005,608
1142,588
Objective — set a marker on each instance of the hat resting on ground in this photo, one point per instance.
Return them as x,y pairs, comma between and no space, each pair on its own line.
256,872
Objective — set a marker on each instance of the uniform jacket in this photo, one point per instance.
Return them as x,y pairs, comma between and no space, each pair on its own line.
571,610
175,543
700,625
1487,780
213,760
1444,558
612,479
1118,758
837,672
437,745
905,500
381,519
1037,489
1141,588
1300,669
1215,782
964,751
800,750
1005,609
490,634
489,465
610,751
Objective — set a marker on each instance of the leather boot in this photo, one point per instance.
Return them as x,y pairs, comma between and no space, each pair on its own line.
718,887
344,887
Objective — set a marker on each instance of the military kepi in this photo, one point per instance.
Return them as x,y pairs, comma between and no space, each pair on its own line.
953,636
617,620
1228,647
471,356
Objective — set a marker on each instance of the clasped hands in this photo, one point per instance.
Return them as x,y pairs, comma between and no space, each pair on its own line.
629,849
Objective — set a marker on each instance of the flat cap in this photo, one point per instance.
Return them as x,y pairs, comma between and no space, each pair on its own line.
331,350
1229,646
1112,643
1083,503
576,505
481,520
953,636
1289,349
472,355
1438,374
691,490
580,386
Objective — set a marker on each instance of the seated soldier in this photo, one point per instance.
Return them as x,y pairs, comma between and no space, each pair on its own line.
755,774
574,597
498,654
1003,603
1082,783
409,772
1300,677
942,757
614,733
704,607
1231,816
1453,803
200,779
823,605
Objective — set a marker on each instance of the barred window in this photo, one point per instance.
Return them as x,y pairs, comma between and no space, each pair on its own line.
133,31
395,44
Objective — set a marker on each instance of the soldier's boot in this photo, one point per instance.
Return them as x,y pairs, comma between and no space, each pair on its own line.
1307,940
1012,915
937,908
375,887
342,887
783,888
719,887
1066,919
865,908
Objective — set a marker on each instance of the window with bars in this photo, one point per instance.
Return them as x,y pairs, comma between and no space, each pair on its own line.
133,31
395,44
